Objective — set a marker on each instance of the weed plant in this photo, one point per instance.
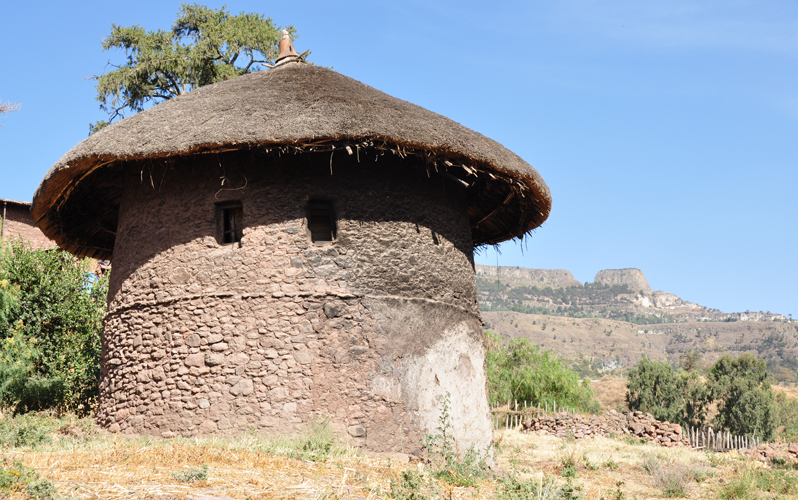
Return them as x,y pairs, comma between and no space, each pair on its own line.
672,478
447,464
192,474
739,487
315,444
17,478
409,486
510,487
25,431
569,468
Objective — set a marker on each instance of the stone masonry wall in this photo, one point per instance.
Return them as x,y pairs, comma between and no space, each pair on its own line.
372,329
19,224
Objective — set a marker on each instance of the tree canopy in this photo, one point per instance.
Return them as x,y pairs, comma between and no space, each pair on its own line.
204,46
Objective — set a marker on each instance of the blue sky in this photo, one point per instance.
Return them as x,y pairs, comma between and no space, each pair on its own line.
667,131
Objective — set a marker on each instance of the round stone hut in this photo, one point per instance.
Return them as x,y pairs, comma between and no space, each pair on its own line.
287,245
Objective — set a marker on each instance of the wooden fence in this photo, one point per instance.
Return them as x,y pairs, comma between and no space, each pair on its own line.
719,440
512,415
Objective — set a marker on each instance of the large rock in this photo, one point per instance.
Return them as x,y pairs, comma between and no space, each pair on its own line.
632,277
555,278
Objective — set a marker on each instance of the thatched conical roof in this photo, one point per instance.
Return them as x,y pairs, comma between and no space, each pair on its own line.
299,106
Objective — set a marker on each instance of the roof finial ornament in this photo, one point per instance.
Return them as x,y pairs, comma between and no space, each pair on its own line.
287,51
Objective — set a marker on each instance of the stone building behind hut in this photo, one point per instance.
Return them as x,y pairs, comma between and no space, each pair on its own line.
291,243
16,222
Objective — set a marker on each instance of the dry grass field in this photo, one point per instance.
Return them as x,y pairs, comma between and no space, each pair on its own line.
81,462
610,392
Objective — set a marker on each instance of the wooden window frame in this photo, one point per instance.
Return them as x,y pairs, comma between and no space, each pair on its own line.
313,215
227,232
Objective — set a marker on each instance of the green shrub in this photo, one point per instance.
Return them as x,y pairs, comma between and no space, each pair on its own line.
316,442
569,468
56,321
9,304
520,371
780,482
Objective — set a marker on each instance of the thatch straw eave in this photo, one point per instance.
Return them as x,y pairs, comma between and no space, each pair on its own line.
299,107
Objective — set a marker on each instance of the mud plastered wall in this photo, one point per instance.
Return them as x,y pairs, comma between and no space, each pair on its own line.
19,224
372,329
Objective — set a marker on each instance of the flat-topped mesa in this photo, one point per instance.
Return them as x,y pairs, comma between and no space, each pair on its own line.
555,278
632,277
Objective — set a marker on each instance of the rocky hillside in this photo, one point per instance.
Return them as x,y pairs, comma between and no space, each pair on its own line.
615,320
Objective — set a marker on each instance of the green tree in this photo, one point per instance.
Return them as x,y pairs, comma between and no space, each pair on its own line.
746,402
204,46
655,387
520,371
51,347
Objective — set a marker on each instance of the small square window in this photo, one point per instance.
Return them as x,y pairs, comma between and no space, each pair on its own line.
321,222
230,223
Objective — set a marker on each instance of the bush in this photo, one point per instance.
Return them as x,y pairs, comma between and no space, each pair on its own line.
9,303
520,371
56,322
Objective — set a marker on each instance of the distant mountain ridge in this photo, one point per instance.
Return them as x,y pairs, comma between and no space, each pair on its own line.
617,319
638,297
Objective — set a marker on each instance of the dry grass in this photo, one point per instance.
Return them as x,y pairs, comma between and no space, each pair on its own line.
112,466
121,468
603,464
790,390
610,392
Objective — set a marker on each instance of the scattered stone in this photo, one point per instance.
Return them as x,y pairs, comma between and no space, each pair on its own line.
610,424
